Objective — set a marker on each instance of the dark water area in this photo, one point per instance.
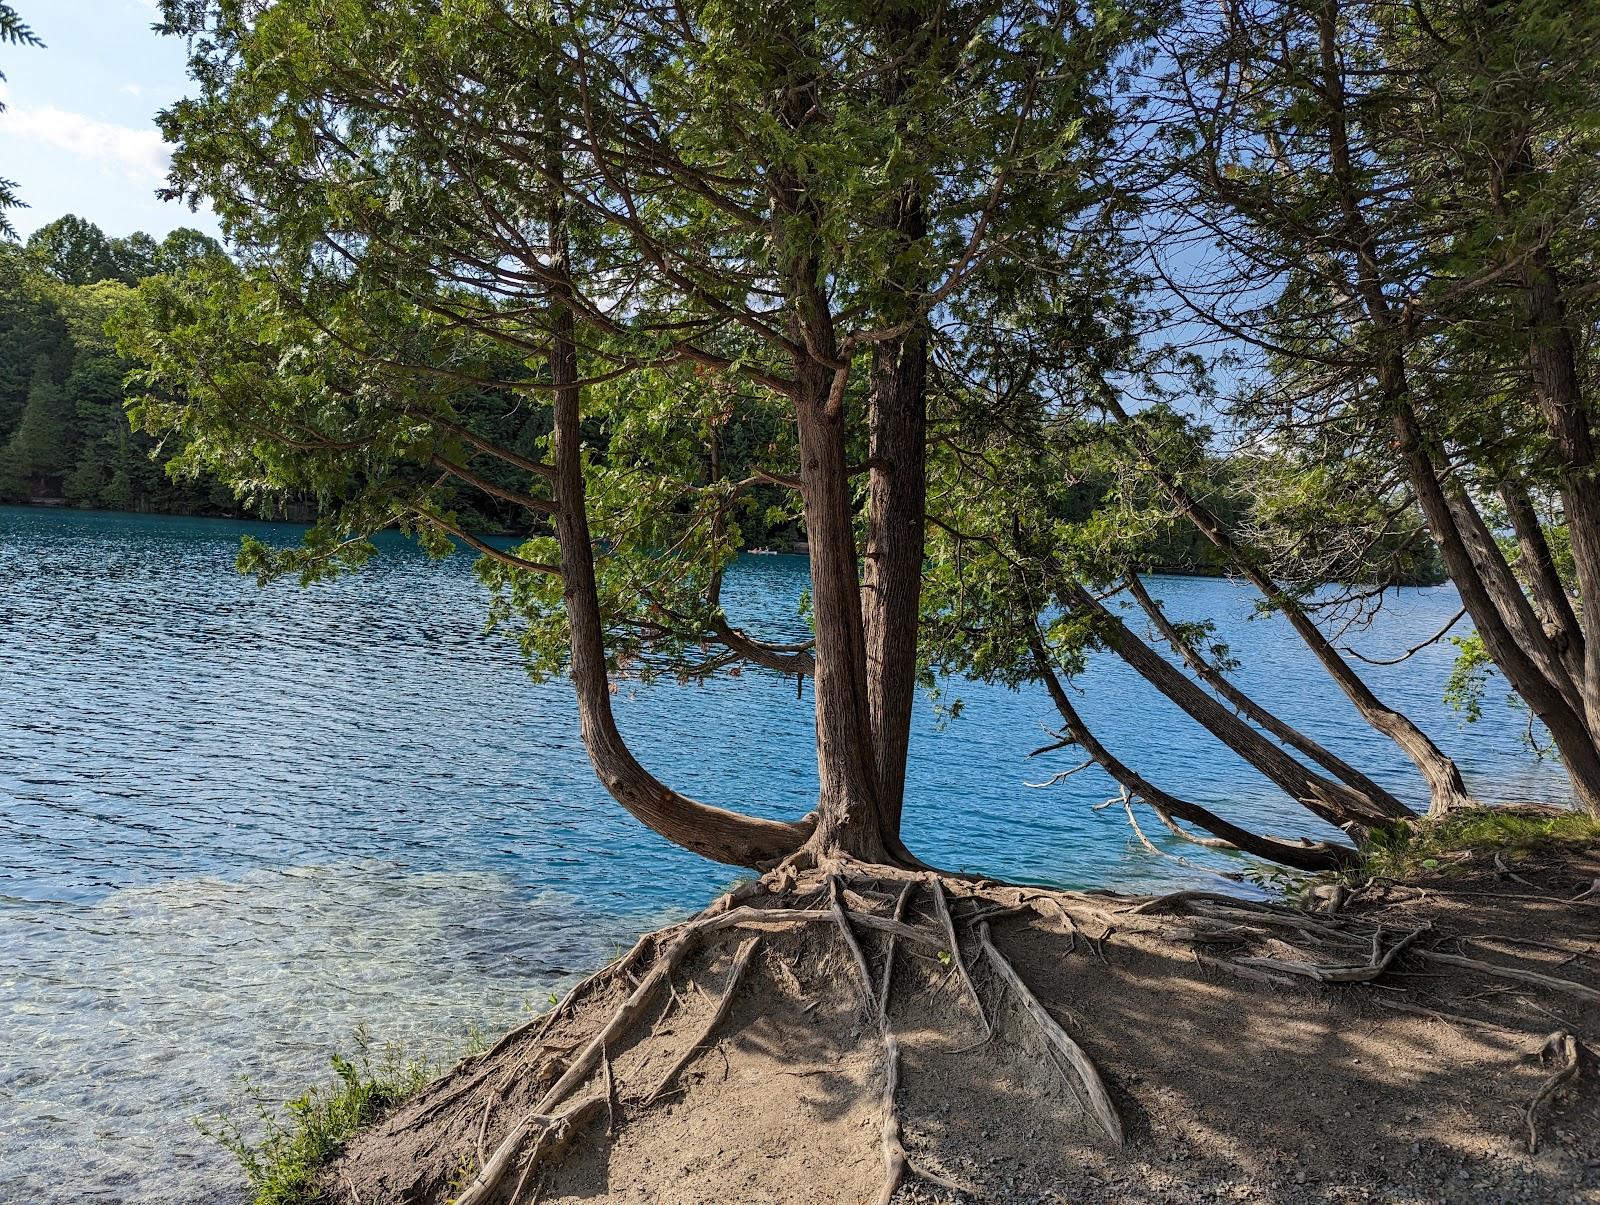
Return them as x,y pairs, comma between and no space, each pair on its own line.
237,823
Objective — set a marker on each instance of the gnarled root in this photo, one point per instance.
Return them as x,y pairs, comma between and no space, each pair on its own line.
1094,1087
1569,1052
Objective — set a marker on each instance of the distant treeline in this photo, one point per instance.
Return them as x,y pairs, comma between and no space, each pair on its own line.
64,436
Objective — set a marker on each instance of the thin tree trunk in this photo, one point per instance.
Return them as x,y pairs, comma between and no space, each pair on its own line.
1446,789
1330,801
1306,856
1253,711
892,594
1509,598
1538,565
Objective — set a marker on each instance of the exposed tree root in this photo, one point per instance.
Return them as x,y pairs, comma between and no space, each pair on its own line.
1568,1051
1553,982
741,961
1099,1099
1347,949
896,1163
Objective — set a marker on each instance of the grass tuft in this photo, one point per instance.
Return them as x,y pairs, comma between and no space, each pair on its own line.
287,1145
1449,843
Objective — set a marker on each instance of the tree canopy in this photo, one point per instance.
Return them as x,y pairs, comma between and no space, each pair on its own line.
938,287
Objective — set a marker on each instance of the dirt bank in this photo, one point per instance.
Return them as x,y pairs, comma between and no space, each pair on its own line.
1232,1073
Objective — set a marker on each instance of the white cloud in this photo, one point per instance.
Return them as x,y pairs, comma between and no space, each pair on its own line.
140,153
133,90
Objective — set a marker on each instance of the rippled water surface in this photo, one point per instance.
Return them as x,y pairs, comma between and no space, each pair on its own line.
237,823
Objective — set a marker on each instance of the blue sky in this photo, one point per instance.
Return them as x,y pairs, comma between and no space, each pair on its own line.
79,134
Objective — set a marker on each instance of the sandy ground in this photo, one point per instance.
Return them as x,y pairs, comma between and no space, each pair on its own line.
1230,1087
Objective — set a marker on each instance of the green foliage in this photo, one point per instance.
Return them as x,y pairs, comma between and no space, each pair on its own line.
64,434
13,32
281,1149
1447,844
1470,676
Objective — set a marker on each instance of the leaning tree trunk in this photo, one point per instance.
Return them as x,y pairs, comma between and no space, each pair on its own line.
1253,711
1552,357
1538,564
1307,855
1565,725
712,832
1446,789
1331,801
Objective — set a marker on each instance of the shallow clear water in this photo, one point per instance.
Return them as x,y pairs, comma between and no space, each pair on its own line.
237,823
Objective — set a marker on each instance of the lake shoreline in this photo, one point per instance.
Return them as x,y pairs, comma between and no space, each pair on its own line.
712,1091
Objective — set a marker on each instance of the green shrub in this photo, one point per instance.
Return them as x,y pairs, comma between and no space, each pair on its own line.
288,1144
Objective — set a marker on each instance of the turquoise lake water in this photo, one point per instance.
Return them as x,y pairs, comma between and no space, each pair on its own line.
237,823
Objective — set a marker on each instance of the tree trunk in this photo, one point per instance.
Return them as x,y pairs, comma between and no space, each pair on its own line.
849,818
1447,791
1509,599
1304,856
712,832
892,595
1256,713
1538,565
1330,801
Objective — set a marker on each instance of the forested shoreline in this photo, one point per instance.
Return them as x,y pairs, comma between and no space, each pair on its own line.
64,432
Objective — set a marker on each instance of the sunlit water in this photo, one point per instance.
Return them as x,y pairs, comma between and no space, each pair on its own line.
237,823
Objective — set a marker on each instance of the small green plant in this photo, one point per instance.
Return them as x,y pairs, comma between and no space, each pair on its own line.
1438,845
286,1145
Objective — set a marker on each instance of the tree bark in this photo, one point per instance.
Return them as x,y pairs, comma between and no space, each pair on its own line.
1313,856
892,588
849,819
1257,714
